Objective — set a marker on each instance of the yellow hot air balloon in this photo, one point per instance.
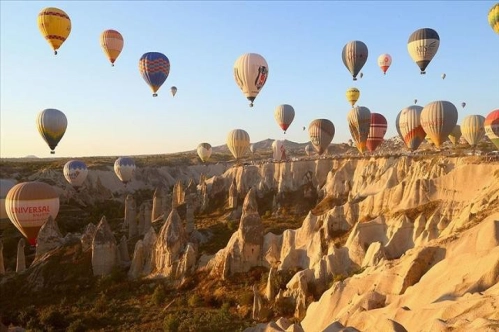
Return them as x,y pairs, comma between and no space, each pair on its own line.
494,17
55,26
111,42
473,129
29,205
250,73
238,142
52,125
438,119
455,135
353,95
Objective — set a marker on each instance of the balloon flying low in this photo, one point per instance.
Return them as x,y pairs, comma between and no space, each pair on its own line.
75,172
377,131
55,26
124,167
491,125
409,123
321,133
473,129
250,73
238,142
438,119
359,123
204,151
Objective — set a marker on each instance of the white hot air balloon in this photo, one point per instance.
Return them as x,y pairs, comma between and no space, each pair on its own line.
75,172
204,151
284,115
250,73
278,150
124,167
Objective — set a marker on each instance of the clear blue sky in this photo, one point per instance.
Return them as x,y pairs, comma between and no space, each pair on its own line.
111,112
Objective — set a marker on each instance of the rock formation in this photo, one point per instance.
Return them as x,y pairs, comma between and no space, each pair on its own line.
104,249
2,266
21,258
131,216
49,237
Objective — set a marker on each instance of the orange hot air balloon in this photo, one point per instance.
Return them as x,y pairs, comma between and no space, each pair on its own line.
111,42
29,205
377,131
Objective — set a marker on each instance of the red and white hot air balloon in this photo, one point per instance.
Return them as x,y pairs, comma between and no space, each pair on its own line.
377,131
384,62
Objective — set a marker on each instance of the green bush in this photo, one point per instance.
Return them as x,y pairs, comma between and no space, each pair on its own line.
194,301
159,295
171,323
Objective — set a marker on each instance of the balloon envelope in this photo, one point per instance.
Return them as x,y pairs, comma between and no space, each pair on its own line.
352,95
278,150
384,62
284,115
493,18
309,149
75,172
473,129
422,47
5,186
154,68
204,151
250,73
321,133
173,89
111,42
359,123
491,125
252,148
411,130
354,56
438,119
124,167
377,131
55,26
51,125
455,135
238,142
29,205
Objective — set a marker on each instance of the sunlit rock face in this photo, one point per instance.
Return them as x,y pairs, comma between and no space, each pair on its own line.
104,249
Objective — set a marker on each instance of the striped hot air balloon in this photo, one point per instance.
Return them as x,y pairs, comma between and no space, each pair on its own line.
29,205
124,167
111,42
354,56
438,119
411,130
204,151
491,125
154,68
75,172
250,73
359,123
422,46
55,26
397,126
52,125
352,95
238,142
284,115
321,133
377,131
309,149
473,129
455,135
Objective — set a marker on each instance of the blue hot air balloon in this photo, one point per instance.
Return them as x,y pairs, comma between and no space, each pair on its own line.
154,68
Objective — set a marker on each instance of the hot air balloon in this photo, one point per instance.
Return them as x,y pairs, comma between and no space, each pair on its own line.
284,115
29,205
5,186
359,122
124,167
352,95
422,46
463,104
397,126
278,150
354,56
238,142
415,101
173,89
111,42
455,135
55,26
304,128
411,130
204,151
309,149
154,68
361,75
321,133
75,172
493,17
438,119
491,125
384,62
444,76
52,125
377,131
252,148
473,129
251,72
